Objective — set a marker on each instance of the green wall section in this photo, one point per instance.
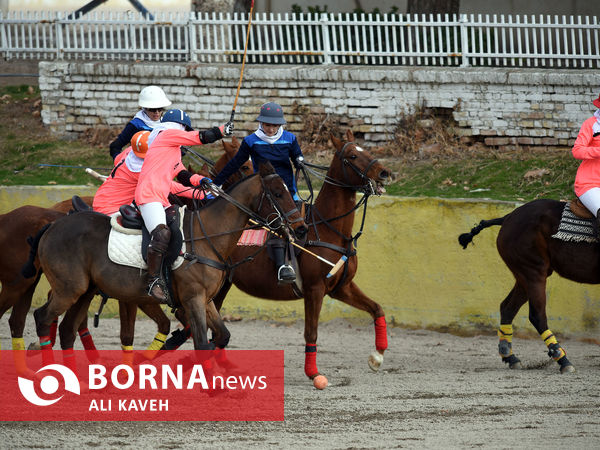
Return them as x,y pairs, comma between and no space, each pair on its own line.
411,263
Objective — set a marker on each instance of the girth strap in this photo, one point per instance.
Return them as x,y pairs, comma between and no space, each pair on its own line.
203,260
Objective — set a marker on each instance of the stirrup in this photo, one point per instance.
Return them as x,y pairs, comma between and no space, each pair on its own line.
166,297
286,274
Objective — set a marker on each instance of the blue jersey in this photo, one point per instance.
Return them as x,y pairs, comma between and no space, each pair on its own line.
279,154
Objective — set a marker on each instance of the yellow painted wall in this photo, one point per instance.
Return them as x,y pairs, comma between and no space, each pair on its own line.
411,263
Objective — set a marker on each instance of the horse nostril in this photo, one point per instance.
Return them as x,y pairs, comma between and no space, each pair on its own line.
384,174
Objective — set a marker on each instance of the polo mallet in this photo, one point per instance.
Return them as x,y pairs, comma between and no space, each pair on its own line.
334,266
243,62
95,174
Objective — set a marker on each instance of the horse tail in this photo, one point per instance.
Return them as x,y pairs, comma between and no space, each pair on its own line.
29,270
465,238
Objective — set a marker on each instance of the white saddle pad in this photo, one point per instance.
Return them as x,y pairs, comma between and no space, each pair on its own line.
125,244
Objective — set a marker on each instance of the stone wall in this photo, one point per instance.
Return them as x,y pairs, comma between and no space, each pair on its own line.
501,107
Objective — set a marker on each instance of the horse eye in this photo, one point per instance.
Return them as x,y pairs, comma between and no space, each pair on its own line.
352,157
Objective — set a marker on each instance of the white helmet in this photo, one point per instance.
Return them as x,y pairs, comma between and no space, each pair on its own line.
153,97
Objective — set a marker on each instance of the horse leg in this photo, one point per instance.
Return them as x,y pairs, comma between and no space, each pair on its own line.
537,317
196,312
16,322
69,325
221,335
509,308
352,295
313,301
155,312
220,297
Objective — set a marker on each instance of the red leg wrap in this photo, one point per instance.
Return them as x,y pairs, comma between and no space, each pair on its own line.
53,327
381,342
69,359
86,339
47,353
310,360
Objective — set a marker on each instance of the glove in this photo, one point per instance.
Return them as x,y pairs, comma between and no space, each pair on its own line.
205,183
211,135
299,162
228,129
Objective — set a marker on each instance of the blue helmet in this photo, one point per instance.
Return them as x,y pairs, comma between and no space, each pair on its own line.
271,113
177,116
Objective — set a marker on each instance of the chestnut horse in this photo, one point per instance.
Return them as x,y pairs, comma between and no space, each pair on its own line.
330,221
527,247
71,256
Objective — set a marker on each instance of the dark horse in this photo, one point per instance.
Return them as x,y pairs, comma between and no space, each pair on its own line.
330,221
527,247
72,255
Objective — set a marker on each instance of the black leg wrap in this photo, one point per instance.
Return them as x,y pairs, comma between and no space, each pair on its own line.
177,339
510,360
564,362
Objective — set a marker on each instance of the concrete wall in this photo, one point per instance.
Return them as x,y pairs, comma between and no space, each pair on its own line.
411,263
500,106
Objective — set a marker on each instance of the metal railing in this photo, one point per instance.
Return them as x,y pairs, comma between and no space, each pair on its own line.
415,40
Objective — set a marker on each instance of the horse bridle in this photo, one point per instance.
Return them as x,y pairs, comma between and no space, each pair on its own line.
368,188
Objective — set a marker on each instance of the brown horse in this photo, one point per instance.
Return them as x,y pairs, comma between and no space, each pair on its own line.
527,247
72,258
17,291
330,221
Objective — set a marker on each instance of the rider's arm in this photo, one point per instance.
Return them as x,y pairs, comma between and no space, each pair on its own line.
232,166
586,145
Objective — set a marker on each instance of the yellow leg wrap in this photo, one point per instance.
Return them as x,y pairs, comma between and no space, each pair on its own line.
505,333
548,338
155,345
127,354
158,341
18,344
19,355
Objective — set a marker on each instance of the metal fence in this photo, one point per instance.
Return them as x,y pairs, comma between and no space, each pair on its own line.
365,39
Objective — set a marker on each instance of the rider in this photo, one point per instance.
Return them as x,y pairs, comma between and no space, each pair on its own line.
272,143
119,188
153,101
587,149
161,164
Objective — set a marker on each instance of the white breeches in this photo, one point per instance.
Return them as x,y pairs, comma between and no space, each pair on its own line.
153,214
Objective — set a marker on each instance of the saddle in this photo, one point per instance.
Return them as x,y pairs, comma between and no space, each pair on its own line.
130,222
580,210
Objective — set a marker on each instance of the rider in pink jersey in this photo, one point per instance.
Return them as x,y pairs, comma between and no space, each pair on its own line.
587,149
161,164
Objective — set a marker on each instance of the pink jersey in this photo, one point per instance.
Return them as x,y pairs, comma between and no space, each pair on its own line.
161,164
587,148
118,190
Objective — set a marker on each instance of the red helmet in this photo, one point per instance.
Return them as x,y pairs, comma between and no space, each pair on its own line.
139,143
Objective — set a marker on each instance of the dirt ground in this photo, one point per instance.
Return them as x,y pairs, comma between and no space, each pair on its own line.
435,390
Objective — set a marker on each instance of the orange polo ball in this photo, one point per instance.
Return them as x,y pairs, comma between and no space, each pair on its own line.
320,382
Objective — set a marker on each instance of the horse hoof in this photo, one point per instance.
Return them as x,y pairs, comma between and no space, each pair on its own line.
567,369
516,366
34,346
375,361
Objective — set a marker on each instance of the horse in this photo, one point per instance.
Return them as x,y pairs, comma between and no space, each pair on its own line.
17,291
526,245
330,221
72,256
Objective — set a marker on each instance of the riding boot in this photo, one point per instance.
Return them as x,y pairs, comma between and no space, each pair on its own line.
157,249
285,272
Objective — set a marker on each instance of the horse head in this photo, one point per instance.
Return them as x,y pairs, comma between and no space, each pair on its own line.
280,205
356,167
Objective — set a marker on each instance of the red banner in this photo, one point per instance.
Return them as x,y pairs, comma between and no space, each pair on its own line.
141,386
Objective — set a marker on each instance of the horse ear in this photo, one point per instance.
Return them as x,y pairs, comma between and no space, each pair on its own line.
335,141
235,142
204,170
265,168
349,136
